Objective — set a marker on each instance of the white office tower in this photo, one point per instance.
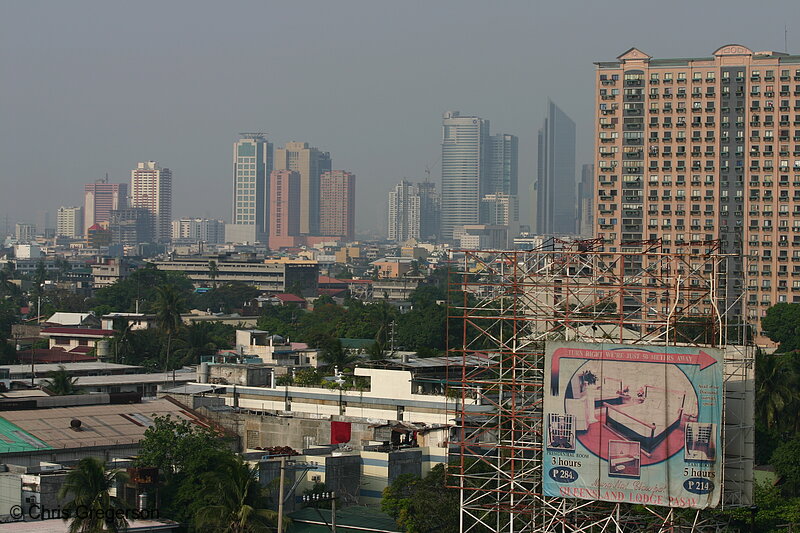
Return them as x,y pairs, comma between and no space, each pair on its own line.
252,164
69,222
465,169
151,189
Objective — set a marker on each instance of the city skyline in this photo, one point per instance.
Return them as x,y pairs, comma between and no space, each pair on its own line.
410,73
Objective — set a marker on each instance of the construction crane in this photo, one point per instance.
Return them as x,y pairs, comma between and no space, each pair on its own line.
428,169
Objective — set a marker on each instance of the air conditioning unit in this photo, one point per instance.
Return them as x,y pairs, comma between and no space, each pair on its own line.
316,479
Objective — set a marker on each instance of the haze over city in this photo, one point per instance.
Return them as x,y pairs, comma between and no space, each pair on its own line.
91,87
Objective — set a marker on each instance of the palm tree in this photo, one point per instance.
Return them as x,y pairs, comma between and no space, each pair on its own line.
61,383
195,341
238,504
334,354
6,287
168,306
776,389
213,272
88,489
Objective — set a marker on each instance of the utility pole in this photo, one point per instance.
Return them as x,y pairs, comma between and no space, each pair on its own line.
280,494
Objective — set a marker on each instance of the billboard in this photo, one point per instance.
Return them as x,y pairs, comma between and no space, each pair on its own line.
633,423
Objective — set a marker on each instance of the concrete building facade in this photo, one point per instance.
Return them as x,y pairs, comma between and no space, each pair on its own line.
337,206
586,202
99,199
699,149
413,211
69,222
151,189
284,198
252,164
310,163
211,231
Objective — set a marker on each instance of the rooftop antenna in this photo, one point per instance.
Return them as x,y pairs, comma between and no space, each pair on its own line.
786,38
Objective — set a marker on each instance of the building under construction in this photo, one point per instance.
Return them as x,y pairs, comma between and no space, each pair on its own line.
504,306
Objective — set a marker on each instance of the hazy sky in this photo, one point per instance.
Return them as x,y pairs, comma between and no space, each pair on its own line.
93,87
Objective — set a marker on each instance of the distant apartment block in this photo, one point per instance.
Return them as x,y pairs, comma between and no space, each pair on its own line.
413,212
24,232
151,189
192,230
698,149
310,163
556,201
284,225
99,199
69,222
131,226
252,164
499,209
337,204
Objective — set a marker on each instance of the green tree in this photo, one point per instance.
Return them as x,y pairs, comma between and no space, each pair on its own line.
786,461
139,290
195,340
226,298
777,394
213,272
39,277
782,325
423,505
61,383
237,503
334,354
183,452
169,306
87,487
7,288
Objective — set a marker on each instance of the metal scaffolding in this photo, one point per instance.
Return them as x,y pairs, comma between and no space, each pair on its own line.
504,305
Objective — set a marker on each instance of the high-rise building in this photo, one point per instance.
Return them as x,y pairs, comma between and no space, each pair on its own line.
430,211
404,216
698,149
310,163
69,222
193,230
503,164
555,180
252,163
586,201
100,198
465,170
151,189
337,204
25,232
284,198
501,209
131,226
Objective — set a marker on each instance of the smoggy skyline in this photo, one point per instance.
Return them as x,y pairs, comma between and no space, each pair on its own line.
93,87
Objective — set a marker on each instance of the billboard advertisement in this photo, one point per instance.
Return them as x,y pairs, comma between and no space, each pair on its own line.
635,424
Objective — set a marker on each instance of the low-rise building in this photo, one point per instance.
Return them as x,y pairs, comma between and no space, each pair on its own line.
272,275
108,271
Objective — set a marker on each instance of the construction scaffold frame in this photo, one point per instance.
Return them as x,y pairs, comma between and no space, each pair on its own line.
504,305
